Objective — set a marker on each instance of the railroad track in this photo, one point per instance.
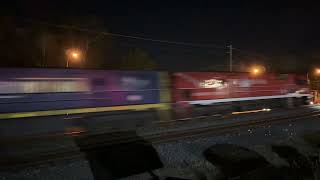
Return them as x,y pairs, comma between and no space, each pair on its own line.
99,140
218,129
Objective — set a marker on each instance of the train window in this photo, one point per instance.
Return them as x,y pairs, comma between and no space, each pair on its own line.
301,82
282,77
43,86
98,82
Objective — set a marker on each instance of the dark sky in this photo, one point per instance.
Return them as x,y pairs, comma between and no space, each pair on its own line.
259,29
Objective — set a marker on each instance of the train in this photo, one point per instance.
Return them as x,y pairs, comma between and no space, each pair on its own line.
33,92
216,92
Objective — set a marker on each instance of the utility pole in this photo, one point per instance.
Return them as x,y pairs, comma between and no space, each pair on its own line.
67,63
230,57
88,43
44,49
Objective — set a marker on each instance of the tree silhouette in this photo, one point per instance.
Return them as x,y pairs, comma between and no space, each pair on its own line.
17,44
33,44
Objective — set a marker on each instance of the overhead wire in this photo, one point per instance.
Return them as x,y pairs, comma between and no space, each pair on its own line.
72,27
104,33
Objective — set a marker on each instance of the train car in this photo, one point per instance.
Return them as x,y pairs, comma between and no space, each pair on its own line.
209,92
27,92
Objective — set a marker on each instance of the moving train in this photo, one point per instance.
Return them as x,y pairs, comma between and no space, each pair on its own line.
28,92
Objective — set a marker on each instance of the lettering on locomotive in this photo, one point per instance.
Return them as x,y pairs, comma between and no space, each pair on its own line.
213,83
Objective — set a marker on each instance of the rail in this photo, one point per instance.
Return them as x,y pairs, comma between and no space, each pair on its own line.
105,140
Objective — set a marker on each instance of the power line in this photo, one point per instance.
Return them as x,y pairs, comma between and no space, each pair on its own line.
173,49
72,27
230,48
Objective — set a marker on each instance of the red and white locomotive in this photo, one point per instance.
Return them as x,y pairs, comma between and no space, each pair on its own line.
209,92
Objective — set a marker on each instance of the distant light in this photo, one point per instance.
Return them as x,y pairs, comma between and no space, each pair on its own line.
257,70
75,55
318,71
311,102
74,131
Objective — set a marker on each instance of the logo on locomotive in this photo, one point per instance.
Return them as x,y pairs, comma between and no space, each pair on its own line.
213,83
134,83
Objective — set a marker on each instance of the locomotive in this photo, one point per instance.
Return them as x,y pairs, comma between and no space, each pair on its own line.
212,92
29,92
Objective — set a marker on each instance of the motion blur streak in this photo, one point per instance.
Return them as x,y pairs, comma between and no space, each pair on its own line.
252,111
162,106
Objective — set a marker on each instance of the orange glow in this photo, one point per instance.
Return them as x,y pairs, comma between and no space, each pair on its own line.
74,131
317,71
75,55
257,70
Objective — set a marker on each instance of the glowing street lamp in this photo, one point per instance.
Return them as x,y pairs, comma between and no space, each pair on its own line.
72,54
314,74
257,70
75,55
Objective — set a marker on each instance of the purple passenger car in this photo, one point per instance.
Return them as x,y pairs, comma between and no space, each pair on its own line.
25,90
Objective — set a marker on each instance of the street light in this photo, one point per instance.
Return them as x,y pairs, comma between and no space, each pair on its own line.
316,72
257,70
75,55
313,76
72,54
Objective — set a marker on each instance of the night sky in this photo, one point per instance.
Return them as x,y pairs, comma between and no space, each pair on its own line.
263,32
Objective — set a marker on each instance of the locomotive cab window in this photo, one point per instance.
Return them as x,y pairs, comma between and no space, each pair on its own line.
300,81
282,77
